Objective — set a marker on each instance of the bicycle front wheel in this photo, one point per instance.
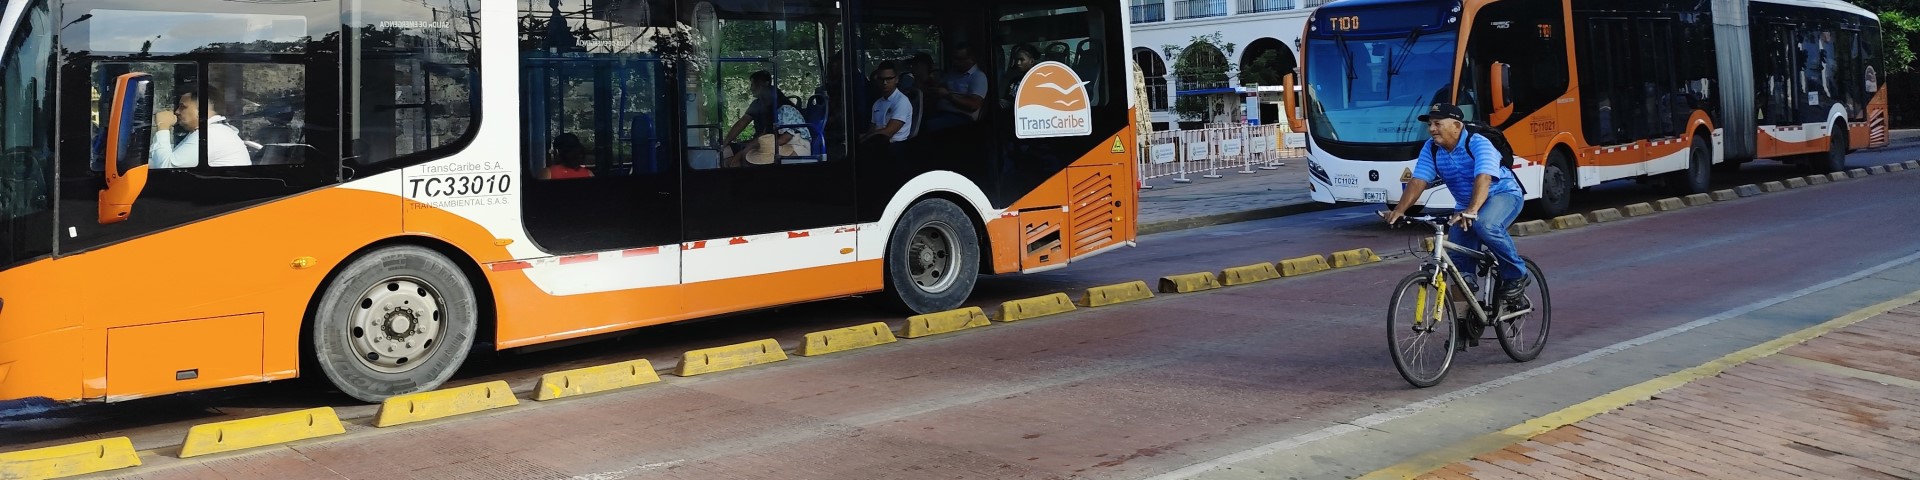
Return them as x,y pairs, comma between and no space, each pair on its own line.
1420,331
1524,336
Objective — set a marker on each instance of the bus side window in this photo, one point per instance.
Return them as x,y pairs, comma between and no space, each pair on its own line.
1075,37
267,107
417,69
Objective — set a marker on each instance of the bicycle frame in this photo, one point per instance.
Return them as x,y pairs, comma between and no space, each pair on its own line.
1444,269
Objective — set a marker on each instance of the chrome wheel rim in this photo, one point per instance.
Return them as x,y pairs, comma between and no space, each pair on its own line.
396,324
930,257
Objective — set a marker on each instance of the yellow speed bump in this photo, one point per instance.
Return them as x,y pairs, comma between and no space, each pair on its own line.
260,431
1359,256
1726,195
1117,294
1529,228
1294,267
1796,182
423,406
582,381
1249,274
1605,215
1035,307
1189,283
70,460
1771,187
840,340
1698,199
1817,179
945,322
1669,204
739,355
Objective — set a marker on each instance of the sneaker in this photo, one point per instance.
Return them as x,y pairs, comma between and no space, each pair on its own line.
1514,294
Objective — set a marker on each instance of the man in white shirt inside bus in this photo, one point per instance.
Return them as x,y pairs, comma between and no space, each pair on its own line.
224,149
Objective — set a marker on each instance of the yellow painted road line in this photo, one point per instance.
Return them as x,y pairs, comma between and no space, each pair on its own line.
1477,446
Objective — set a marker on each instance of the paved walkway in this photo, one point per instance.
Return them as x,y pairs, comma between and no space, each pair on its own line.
1240,197
1844,405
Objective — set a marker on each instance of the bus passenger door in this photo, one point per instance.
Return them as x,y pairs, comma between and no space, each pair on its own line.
601,192
769,188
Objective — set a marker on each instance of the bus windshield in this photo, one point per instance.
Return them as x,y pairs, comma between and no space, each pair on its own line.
1370,90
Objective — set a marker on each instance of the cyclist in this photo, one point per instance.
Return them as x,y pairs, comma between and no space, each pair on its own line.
1485,211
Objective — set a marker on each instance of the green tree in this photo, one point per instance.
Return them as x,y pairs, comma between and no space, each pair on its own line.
1202,63
1897,31
1268,68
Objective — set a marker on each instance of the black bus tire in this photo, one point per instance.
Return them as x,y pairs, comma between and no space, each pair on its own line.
933,258
394,321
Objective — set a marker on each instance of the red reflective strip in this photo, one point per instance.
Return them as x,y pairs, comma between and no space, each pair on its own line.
846,230
798,234
510,266
641,252
694,246
737,241
584,258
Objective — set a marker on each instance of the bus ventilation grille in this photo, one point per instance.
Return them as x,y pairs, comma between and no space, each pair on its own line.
1095,217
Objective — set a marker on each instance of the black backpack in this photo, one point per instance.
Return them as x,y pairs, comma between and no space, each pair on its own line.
1493,135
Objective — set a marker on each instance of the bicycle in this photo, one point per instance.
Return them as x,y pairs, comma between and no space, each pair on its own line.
1441,296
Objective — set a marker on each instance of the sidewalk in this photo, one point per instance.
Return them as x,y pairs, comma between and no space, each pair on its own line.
1234,197
1240,197
1843,405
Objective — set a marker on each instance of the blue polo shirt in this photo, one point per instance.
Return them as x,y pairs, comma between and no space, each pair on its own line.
1459,169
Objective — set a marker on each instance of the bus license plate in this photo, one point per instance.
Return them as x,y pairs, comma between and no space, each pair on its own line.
1374,195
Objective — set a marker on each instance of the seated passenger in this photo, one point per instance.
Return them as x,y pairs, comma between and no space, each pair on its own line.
759,114
963,96
919,73
224,148
892,113
567,159
792,138
1024,58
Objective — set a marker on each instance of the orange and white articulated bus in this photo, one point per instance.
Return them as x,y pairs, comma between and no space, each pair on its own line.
1589,91
203,193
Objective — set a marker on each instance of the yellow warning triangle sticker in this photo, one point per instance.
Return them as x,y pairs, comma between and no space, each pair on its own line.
1119,147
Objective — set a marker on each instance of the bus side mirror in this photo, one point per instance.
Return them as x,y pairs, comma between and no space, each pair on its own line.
1502,94
1502,85
1290,97
129,130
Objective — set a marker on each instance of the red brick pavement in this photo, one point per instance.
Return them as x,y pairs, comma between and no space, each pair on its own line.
1782,416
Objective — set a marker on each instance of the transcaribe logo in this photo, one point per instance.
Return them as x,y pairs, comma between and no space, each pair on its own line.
1052,102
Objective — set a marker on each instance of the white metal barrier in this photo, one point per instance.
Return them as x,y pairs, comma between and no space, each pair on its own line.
1205,153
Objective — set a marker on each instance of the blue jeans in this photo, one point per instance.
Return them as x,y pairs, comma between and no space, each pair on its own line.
1491,229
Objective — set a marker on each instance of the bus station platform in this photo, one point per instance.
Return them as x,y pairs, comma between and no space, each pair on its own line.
1844,404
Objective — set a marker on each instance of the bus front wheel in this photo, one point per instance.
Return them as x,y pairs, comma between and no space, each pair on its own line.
933,257
396,320
1556,186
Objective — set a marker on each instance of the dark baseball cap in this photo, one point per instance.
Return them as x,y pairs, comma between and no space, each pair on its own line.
1443,110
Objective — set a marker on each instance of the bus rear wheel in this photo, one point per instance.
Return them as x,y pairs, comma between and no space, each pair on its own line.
1836,158
397,320
1698,177
933,257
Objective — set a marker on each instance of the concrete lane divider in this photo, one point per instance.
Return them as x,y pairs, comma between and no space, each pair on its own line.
1637,210
1771,187
739,355
1838,176
583,381
1747,190
1249,274
1798,182
1698,199
945,322
1725,195
1878,170
70,460
260,431
1858,172
423,406
1117,294
844,339
1669,204
1815,179
1605,215
1572,221
1529,228
1294,267
1912,164
1036,307
1189,283
1354,258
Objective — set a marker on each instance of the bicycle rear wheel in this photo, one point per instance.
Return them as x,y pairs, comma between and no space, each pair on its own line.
1420,331
1523,337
